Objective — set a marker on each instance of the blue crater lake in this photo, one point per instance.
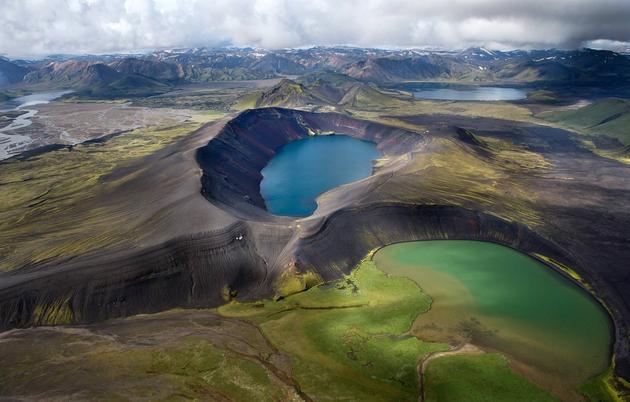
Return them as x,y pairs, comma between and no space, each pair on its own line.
302,170
467,93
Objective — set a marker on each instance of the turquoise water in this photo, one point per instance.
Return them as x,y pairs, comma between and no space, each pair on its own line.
501,299
468,93
304,169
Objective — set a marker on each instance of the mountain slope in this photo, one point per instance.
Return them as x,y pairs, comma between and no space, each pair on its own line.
10,73
289,93
364,96
130,85
328,85
608,117
73,74
157,70
395,69
274,64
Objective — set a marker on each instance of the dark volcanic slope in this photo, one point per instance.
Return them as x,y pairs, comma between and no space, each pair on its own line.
529,187
195,270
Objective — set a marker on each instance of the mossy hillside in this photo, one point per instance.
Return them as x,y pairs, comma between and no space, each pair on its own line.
366,97
345,340
544,96
608,117
79,364
348,338
453,173
473,378
291,282
620,154
497,110
44,199
605,388
248,101
288,93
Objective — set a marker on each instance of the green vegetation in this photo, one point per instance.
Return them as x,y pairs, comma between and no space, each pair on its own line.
288,93
485,377
482,293
45,209
498,110
604,388
456,174
344,340
348,338
325,78
291,282
608,117
199,357
248,101
544,96
367,97
205,368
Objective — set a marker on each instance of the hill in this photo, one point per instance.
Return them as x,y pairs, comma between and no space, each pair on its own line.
328,85
332,89
365,96
288,93
608,117
543,70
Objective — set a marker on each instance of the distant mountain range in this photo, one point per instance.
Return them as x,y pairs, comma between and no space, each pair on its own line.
141,75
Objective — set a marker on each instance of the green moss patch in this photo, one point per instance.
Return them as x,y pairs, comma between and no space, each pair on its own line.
478,378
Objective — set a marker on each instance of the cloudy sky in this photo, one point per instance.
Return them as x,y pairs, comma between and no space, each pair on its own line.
32,28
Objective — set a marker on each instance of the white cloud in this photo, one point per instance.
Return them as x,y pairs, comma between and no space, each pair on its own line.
37,27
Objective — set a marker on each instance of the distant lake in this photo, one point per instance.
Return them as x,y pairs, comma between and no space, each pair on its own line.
302,170
32,100
12,143
466,93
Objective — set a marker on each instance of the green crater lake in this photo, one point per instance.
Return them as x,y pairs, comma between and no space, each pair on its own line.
302,170
553,331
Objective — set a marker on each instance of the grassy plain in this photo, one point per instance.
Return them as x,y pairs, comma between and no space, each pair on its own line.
176,355
478,378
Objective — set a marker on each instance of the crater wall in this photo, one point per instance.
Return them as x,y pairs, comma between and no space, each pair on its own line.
196,270
232,161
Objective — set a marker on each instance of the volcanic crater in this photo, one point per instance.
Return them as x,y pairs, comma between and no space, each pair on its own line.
229,246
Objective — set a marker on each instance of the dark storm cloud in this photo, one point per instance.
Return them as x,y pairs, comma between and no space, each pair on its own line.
39,27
